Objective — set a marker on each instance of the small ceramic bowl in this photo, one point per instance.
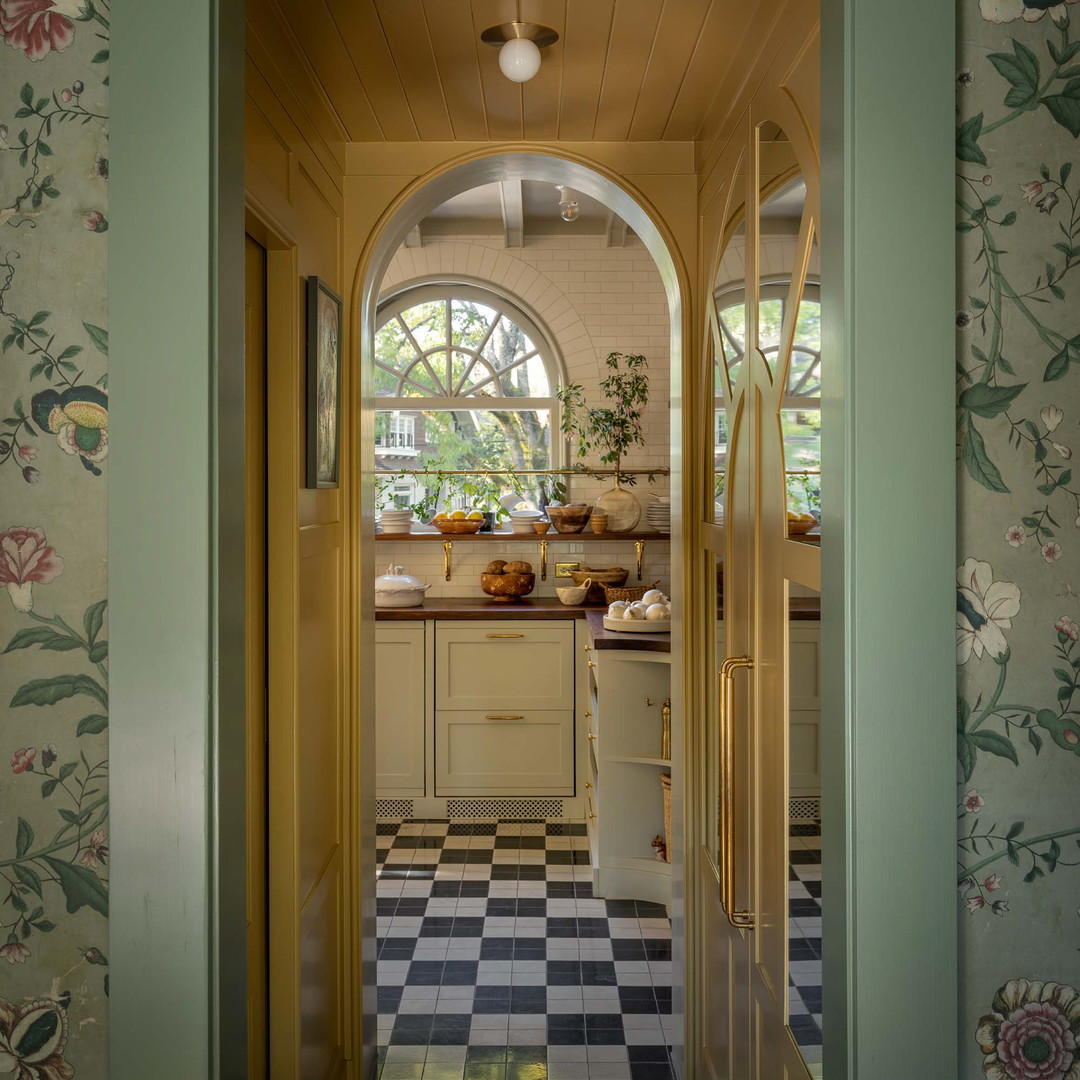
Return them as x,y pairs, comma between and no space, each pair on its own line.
541,527
574,594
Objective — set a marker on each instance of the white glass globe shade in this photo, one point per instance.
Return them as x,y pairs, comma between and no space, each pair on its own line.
519,59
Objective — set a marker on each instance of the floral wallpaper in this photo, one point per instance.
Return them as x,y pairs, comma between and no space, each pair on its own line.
1018,609
54,649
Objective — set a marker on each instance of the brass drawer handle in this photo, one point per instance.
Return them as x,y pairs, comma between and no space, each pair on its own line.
504,635
504,716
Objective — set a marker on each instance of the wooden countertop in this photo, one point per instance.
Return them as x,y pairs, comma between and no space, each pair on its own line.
602,638
801,609
480,607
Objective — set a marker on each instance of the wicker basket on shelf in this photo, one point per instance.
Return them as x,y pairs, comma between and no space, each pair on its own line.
626,592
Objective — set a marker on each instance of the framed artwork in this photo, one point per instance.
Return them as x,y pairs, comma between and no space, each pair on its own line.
323,384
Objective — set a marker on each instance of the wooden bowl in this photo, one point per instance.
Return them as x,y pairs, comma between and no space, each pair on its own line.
458,528
799,527
506,588
569,519
615,576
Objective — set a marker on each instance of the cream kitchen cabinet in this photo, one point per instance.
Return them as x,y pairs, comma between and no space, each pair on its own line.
400,709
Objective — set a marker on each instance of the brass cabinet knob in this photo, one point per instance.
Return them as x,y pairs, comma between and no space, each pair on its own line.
592,736
588,712
588,784
591,664
588,648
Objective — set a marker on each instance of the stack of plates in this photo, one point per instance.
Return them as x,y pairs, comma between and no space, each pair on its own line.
658,516
396,521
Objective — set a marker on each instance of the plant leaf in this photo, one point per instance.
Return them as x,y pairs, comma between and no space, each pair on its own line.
99,337
996,744
978,462
989,401
24,837
82,887
50,691
93,618
92,725
967,141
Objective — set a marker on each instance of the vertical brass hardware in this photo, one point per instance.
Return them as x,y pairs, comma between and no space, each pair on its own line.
743,920
665,726
504,635
543,559
639,547
447,547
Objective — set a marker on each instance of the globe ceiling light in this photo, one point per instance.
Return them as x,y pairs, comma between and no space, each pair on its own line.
519,46
568,203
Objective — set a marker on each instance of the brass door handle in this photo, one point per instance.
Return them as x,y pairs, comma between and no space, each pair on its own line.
504,716
741,919
504,635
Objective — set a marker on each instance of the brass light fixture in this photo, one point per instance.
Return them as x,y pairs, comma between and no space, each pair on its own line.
519,45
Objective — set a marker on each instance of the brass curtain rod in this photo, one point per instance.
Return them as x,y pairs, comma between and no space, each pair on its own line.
664,471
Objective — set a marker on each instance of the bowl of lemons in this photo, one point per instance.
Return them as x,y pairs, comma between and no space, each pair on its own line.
458,522
800,524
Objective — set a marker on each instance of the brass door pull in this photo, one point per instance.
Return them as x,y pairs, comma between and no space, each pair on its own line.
742,920
504,635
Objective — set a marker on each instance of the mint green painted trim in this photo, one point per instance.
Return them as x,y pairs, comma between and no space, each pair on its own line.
174,662
888,649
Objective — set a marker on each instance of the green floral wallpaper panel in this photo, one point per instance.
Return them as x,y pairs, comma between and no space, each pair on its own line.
1018,609
54,650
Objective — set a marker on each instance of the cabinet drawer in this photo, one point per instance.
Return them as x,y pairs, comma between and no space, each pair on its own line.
504,666
523,752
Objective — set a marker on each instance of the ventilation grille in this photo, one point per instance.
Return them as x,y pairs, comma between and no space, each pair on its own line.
393,808
804,809
504,808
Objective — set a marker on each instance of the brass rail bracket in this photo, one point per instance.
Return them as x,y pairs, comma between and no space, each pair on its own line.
448,547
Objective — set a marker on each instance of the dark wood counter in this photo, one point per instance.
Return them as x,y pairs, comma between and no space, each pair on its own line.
602,638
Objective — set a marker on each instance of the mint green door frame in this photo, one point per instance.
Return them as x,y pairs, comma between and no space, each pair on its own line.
175,541
178,1007
888,645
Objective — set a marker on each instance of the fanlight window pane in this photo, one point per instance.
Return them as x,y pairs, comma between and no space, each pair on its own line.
470,323
733,331
802,458
804,378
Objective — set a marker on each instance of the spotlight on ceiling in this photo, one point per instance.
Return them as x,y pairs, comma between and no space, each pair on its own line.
519,46
568,203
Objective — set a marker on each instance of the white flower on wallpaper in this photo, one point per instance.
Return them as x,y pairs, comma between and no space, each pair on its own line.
984,609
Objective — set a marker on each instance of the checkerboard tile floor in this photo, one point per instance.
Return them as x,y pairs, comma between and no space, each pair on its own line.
804,939
497,963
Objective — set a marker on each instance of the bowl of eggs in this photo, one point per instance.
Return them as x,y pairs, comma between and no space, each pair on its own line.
459,522
649,615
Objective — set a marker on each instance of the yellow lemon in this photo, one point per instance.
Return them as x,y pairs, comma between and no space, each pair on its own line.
458,515
792,516
476,516
439,517
808,517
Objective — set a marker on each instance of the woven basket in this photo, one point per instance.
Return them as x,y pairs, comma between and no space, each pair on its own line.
665,783
629,592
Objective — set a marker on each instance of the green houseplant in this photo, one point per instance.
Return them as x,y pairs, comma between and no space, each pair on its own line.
610,431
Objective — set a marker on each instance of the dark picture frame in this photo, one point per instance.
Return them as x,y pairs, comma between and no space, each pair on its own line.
324,318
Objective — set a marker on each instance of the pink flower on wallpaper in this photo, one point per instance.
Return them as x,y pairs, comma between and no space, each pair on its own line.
39,27
992,882
1066,626
974,903
27,453
1031,190
1031,1032
23,759
1050,551
97,852
1015,535
14,952
94,221
26,558
972,802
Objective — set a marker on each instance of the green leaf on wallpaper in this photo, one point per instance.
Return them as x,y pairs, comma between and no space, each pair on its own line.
965,755
1059,363
1021,70
82,887
26,94
1065,107
1035,739
93,618
69,352
101,57
49,786
92,725
45,636
24,837
1005,366
1032,874
1066,169
99,337
967,142
989,401
28,876
996,744
1015,830
50,691
978,461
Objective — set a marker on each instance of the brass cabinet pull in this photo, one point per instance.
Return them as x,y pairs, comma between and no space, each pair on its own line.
448,548
588,784
591,664
591,736
504,716
503,635
743,920
588,648
588,712
592,817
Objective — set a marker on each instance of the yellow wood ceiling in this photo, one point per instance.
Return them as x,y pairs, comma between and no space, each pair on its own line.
402,70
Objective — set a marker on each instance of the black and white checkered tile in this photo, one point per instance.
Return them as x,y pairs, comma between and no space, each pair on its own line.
804,939
497,963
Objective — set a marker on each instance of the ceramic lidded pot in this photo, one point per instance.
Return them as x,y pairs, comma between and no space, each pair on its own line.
396,589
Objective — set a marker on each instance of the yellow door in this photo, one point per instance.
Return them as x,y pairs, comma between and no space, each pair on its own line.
763,347
255,600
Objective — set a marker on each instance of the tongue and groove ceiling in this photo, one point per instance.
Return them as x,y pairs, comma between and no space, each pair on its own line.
622,70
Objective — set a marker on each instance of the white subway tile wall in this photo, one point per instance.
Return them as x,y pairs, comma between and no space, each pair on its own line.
424,559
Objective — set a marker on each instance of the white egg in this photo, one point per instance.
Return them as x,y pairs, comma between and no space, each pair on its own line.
634,613
616,608
653,596
666,600
639,604
658,611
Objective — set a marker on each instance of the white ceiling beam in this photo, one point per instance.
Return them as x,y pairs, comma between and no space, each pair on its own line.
415,237
513,213
616,231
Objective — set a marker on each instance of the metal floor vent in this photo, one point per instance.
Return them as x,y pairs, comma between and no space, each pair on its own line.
393,808
504,808
804,809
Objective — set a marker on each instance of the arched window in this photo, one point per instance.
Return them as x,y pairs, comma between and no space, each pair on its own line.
465,381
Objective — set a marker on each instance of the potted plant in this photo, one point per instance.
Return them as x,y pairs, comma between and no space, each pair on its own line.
610,431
